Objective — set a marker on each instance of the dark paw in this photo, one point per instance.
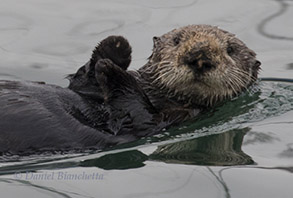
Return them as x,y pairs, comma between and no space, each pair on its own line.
109,75
104,68
112,78
115,48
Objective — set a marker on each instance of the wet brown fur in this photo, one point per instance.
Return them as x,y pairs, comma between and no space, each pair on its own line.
169,78
190,69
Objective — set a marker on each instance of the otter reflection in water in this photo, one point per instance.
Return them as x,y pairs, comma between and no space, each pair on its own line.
191,69
216,150
220,149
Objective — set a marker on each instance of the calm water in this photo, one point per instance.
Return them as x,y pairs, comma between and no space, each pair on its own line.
243,148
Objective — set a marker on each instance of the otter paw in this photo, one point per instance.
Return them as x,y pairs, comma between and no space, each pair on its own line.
115,48
112,78
104,68
108,75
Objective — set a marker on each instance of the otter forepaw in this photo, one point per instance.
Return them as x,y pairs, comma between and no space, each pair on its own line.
112,79
115,48
103,69
109,75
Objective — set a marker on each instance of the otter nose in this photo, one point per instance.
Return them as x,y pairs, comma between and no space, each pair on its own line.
257,64
199,61
201,66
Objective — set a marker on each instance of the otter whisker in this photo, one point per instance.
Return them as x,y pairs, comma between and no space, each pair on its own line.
162,76
231,85
171,80
165,66
236,81
247,76
236,77
245,73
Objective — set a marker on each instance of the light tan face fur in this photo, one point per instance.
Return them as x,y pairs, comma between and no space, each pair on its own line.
202,64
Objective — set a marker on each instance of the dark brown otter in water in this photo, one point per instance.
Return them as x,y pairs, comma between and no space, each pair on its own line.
191,68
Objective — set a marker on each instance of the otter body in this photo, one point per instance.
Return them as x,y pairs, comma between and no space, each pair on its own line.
190,69
38,117
41,117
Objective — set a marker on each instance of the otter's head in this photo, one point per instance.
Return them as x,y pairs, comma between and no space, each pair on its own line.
202,64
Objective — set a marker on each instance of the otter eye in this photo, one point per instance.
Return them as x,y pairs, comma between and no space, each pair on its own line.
176,40
230,50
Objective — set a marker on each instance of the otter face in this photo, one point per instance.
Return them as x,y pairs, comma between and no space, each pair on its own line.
202,64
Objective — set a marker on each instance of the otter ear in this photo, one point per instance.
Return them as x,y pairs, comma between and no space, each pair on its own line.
157,41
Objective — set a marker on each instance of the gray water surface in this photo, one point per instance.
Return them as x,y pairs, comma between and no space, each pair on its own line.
243,148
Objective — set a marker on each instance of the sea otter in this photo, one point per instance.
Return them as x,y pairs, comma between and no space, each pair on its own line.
191,69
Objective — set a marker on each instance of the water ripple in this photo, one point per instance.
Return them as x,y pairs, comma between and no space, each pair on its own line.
284,6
